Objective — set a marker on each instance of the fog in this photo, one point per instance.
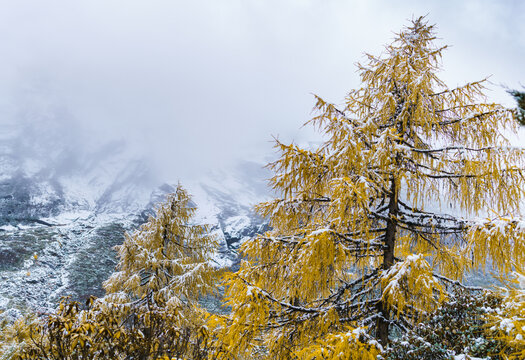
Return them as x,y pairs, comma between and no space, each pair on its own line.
196,85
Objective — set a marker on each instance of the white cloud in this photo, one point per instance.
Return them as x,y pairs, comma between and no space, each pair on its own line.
195,84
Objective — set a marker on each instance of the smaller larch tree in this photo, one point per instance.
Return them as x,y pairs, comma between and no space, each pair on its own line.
164,268
151,308
360,245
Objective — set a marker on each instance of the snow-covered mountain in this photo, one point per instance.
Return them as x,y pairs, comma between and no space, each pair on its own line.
61,213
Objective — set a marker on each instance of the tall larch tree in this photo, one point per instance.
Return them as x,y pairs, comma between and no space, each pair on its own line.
414,186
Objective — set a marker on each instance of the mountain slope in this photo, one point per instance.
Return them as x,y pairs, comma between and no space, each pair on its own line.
60,217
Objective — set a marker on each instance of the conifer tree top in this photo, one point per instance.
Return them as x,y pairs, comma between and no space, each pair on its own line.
167,260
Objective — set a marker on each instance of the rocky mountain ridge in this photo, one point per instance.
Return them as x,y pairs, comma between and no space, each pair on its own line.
58,227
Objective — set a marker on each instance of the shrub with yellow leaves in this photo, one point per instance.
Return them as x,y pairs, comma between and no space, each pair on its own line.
97,331
508,320
15,335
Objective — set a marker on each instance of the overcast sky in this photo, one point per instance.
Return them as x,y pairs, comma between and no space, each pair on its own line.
197,84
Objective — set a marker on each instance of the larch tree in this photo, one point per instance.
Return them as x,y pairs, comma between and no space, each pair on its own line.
164,268
415,185
151,308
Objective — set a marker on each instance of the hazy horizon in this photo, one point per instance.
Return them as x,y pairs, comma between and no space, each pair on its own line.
193,86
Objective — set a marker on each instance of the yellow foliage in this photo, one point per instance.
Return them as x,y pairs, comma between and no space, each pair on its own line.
16,336
410,287
166,263
341,346
353,243
508,322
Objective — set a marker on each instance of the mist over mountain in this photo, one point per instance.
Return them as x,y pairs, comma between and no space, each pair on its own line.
66,201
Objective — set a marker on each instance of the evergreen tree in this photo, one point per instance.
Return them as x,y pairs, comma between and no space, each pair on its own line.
460,328
519,96
359,246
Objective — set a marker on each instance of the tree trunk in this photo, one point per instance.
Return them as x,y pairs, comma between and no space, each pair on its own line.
383,322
